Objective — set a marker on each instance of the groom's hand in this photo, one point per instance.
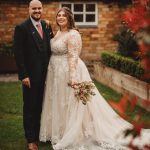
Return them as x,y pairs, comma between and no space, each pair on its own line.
26,82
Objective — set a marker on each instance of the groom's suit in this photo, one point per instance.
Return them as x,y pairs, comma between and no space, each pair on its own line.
32,55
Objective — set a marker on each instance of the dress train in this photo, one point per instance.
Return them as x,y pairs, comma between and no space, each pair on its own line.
69,124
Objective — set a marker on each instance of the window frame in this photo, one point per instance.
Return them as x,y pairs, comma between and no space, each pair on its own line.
84,23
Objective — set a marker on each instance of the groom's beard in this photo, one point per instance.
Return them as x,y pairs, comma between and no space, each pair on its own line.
36,16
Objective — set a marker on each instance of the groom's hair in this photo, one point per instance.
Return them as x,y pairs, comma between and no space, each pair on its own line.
33,1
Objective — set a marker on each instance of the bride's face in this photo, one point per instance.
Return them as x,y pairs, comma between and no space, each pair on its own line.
61,19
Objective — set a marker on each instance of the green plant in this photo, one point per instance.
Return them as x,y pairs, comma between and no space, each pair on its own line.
124,64
127,45
6,49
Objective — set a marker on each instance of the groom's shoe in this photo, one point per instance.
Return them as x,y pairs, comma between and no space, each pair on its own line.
32,146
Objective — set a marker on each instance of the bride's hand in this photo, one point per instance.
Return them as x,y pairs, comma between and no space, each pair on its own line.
72,83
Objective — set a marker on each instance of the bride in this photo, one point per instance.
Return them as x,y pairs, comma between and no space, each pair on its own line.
67,123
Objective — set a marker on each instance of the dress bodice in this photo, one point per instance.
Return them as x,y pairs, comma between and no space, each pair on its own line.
58,43
63,39
68,43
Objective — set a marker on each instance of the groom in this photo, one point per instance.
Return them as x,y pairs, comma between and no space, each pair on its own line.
32,53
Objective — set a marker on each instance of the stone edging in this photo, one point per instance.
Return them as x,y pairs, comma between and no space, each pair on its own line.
121,82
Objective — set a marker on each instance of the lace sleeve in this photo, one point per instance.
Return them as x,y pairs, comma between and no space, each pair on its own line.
74,49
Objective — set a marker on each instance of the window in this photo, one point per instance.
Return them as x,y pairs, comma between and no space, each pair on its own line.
84,13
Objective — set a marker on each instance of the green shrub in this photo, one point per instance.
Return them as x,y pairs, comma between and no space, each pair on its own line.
127,45
124,64
6,49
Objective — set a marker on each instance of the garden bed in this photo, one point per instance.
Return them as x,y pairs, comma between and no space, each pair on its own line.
121,82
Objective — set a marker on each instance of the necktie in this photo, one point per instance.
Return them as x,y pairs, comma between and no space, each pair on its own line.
40,31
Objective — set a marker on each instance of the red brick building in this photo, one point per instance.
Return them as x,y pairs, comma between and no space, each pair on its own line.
97,20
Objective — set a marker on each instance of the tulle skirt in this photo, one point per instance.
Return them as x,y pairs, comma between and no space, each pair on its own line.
69,124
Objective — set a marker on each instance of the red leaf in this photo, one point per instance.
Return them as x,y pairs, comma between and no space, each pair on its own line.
138,127
146,75
146,104
121,106
133,103
137,17
140,2
132,146
147,147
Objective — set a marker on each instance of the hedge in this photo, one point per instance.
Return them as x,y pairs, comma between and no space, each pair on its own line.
123,64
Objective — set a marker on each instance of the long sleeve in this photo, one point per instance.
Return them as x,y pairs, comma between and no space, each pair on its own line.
18,47
74,49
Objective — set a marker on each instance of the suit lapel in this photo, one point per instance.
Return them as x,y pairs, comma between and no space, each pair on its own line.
45,32
35,34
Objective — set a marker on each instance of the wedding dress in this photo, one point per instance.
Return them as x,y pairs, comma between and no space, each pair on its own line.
69,124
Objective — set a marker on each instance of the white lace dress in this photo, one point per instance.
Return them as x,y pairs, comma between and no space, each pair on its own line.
67,123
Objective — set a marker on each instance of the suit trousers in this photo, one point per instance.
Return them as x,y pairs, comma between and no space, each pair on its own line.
32,108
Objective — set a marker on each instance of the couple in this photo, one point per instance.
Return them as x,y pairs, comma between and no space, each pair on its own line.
46,65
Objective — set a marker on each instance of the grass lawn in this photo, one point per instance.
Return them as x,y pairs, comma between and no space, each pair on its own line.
11,130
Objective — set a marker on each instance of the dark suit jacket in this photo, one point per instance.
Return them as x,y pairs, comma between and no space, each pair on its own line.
30,56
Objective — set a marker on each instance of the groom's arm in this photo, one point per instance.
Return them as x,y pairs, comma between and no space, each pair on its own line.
48,28
50,31
18,47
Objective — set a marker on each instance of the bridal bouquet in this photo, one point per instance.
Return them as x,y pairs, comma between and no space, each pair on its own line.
83,91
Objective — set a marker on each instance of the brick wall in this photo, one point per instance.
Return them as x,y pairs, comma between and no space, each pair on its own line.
95,39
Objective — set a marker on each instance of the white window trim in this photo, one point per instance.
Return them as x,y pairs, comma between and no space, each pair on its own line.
84,13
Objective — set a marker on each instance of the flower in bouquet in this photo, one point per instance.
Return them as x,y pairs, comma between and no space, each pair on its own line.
83,91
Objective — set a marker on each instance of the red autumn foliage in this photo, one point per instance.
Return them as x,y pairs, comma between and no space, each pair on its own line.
121,106
138,16
137,127
134,20
147,147
133,103
132,146
145,58
138,19
146,104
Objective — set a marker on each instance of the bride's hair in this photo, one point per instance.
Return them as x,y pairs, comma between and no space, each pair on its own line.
69,15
